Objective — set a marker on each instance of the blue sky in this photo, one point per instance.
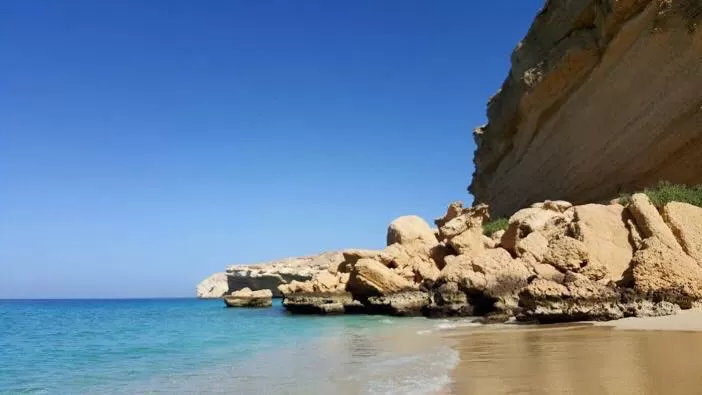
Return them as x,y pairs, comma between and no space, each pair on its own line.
147,144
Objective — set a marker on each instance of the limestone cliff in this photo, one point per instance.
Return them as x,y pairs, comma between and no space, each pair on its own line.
603,96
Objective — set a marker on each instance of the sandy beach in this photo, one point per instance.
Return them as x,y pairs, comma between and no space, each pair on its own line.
658,355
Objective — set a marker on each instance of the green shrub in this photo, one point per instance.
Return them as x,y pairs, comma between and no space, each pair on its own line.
666,192
495,225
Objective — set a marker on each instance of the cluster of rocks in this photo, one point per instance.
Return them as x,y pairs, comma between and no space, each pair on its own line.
554,262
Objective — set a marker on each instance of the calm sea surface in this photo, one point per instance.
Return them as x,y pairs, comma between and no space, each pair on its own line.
195,346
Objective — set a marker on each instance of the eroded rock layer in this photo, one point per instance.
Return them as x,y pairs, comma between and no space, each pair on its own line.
603,96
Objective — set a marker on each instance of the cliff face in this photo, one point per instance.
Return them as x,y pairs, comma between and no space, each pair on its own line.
603,96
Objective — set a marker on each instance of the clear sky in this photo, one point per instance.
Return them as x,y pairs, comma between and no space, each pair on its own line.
147,144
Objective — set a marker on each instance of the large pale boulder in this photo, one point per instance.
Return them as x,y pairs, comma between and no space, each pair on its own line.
410,229
470,242
454,210
248,298
567,254
499,276
535,245
604,234
650,222
213,287
295,287
371,278
468,218
528,220
685,220
665,273
456,269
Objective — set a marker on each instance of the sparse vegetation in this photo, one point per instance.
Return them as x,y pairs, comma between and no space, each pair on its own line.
666,192
495,225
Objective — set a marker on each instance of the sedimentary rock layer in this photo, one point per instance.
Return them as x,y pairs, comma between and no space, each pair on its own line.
602,97
267,275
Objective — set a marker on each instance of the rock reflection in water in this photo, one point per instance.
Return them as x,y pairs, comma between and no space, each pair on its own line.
583,360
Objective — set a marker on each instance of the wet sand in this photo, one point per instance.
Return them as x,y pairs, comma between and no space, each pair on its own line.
631,356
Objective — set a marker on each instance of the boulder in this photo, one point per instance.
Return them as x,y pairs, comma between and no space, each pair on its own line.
650,222
604,234
534,245
248,298
454,210
371,278
410,229
499,277
663,273
546,272
469,218
567,254
479,285
469,242
685,220
213,287
529,220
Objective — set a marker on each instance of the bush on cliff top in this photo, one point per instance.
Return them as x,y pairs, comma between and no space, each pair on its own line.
666,192
495,225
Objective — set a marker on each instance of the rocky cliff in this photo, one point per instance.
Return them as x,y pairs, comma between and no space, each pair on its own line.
603,96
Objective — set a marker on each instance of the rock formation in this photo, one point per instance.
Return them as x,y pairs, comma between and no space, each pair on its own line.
248,298
213,287
602,97
267,275
555,262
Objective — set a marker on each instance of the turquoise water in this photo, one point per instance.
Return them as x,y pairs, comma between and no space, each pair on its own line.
195,346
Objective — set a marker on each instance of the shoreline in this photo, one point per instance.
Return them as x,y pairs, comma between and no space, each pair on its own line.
586,357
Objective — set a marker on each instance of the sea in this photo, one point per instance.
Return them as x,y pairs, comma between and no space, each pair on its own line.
191,346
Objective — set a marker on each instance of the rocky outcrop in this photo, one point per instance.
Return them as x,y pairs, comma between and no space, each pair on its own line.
650,222
604,234
664,273
268,275
371,278
248,298
602,97
555,262
581,299
213,287
322,303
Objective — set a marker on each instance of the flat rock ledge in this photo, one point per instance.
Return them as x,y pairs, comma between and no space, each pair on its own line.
249,298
